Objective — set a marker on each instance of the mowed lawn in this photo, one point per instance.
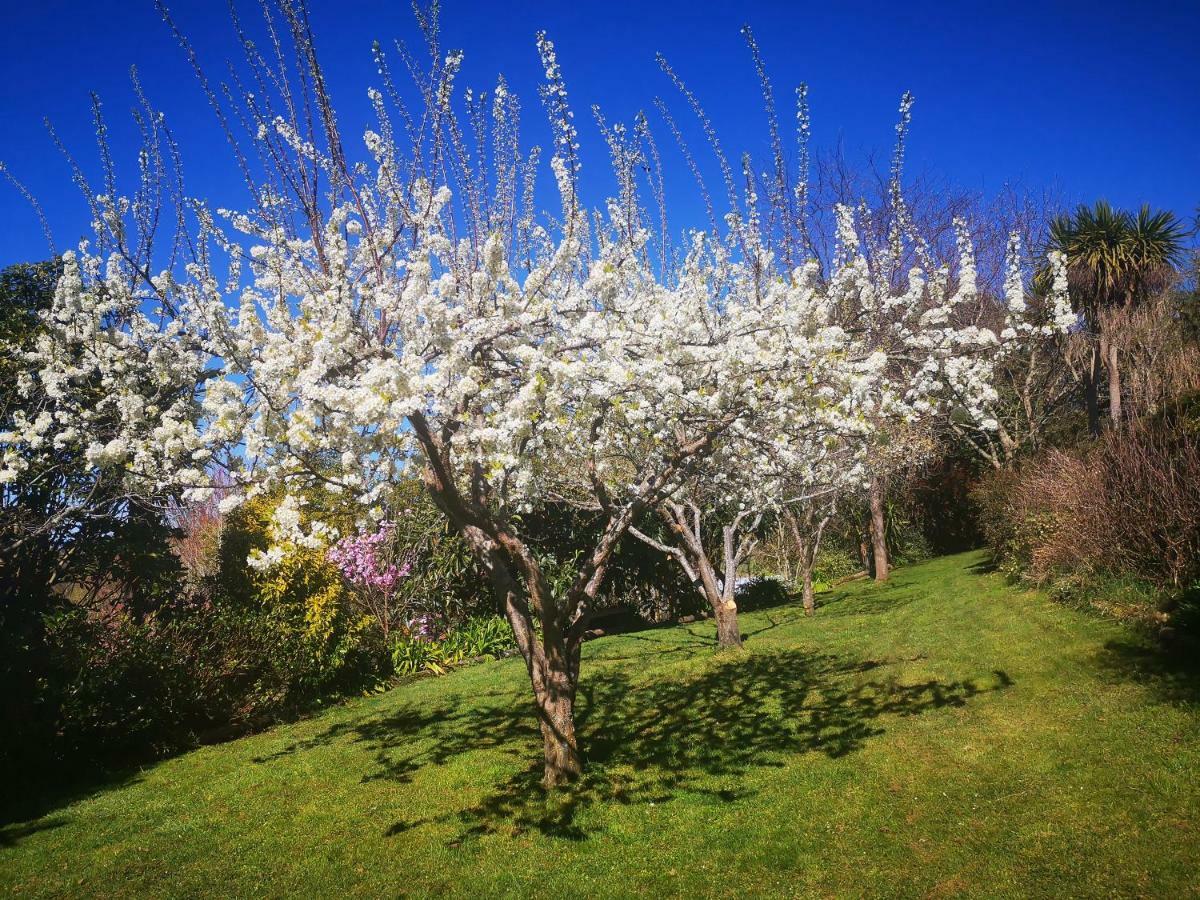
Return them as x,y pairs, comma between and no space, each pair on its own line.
941,735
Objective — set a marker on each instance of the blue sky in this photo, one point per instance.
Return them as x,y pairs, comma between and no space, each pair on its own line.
1088,99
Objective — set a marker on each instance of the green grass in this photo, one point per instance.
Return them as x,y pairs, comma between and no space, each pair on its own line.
942,735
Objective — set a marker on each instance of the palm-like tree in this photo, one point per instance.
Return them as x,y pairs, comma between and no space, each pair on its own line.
1114,258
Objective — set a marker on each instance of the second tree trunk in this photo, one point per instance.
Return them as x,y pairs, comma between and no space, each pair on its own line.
878,530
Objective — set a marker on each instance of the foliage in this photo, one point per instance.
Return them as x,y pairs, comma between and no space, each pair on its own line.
761,593
482,637
315,638
1117,260
1117,257
82,565
1126,508
151,658
478,638
413,656
444,579
835,563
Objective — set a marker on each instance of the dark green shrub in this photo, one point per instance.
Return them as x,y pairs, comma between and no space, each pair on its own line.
762,593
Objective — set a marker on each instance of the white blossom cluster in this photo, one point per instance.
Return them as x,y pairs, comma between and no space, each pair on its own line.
565,365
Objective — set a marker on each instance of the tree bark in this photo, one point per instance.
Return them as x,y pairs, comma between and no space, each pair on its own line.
1091,391
878,530
729,634
556,717
810,603
1114,387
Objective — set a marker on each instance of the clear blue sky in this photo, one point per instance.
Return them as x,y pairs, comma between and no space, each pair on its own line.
1089,98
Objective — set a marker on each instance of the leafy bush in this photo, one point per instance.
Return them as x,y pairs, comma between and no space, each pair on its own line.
444,579
483,637
412,656
836,562
310,639
137,657
477,638
761,593
1125,510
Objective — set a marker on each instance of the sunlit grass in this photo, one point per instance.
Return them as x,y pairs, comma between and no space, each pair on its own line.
943,734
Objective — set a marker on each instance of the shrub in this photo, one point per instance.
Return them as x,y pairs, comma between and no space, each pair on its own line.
488,636
1126,508
835,563
298,613
761,593
477,638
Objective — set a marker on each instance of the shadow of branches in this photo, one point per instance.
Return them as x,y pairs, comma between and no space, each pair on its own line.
883,598
646,741
1171,674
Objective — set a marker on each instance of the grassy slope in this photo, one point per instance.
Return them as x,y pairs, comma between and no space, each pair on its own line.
943,734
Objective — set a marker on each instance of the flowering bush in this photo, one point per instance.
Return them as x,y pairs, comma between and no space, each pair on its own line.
368,564
360,559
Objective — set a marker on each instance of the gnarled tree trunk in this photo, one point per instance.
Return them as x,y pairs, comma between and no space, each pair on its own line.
554,692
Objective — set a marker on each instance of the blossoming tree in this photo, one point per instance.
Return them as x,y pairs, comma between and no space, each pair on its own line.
409,310
879,353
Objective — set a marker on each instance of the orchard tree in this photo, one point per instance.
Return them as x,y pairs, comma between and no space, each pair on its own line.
403,307
907,343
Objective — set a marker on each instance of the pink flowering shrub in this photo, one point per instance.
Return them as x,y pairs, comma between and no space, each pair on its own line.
369,565
363,560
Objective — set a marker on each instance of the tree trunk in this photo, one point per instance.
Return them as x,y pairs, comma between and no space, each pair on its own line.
878,530
693,558
1091,391
729,635
1114,387
556,716
806,548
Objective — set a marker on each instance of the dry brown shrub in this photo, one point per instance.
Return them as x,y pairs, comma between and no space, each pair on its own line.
1129,505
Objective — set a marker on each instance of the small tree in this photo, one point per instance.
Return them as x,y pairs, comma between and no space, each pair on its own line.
1116,260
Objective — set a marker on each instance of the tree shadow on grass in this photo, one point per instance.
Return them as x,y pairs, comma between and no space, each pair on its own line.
985,566
27,799
1171,674
879,599
650,741
655,642
11,835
